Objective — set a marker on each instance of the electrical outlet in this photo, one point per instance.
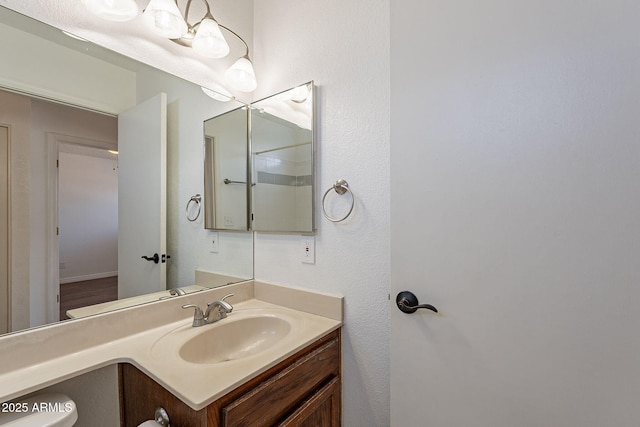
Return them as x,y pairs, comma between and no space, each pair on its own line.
63,265
308,249
213,236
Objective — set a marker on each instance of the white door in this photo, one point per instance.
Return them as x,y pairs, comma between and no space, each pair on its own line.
142,143
515,211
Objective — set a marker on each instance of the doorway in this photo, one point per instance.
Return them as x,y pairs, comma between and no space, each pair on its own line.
88,225
82,216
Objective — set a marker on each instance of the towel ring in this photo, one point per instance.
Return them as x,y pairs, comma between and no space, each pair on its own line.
196,199
341,186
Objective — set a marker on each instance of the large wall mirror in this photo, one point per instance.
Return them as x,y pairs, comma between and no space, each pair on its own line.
72,111
279,179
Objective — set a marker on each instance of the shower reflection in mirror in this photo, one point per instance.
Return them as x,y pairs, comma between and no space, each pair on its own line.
281,167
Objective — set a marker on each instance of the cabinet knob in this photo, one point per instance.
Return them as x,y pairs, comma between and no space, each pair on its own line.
162,417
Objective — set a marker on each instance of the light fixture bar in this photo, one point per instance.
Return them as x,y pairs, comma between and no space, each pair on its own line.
204,36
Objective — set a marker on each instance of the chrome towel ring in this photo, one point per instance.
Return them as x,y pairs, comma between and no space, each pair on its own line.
341,186
197,199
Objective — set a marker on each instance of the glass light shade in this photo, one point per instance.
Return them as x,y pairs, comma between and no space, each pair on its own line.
209,41
241,76
113,10
165,18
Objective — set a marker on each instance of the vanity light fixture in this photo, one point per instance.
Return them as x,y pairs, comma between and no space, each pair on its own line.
204,36
241,75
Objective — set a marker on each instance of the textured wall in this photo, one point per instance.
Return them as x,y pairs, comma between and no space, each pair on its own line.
344,48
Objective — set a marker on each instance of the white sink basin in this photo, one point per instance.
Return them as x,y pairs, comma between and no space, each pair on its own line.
244,333
234,340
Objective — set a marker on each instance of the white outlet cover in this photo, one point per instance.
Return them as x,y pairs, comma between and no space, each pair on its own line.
308,249
215,245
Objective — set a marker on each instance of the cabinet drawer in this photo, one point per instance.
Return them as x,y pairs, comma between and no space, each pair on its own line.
277,396
321,409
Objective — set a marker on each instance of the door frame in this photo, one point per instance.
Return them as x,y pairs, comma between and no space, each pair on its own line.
54,140
7,322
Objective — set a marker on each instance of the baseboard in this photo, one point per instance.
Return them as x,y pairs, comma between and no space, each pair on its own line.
88,277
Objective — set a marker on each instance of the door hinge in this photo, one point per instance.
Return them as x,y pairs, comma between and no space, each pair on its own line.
58,298
57,163
57,231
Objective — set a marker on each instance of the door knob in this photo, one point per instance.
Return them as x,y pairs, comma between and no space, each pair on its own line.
407,302
155,258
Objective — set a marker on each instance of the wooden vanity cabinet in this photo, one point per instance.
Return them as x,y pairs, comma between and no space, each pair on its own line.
303,390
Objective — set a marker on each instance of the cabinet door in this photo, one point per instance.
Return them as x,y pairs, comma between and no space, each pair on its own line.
277,396
320,410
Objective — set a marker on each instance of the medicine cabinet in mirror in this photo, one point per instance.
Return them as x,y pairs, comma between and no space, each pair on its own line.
226,171
275,191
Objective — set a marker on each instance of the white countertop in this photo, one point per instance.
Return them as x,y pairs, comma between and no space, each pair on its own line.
34,359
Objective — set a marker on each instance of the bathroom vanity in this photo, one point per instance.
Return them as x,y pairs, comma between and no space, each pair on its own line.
274,360
302,390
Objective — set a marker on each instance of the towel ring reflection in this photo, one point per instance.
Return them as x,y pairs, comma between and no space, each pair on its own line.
341,186
197,199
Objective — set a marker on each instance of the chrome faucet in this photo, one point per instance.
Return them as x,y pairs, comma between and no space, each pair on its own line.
176,292
216,310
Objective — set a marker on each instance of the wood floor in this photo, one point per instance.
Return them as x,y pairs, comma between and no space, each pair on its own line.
88,292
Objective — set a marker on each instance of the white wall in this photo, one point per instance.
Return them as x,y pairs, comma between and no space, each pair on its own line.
344,47
75,78
95,394
88,216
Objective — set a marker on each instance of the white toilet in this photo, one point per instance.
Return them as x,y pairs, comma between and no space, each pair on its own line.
41,410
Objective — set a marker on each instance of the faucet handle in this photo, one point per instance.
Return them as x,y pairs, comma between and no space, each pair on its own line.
198,315
222,302
223,307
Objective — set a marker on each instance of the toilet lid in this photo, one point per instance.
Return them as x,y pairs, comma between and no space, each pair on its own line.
40,410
